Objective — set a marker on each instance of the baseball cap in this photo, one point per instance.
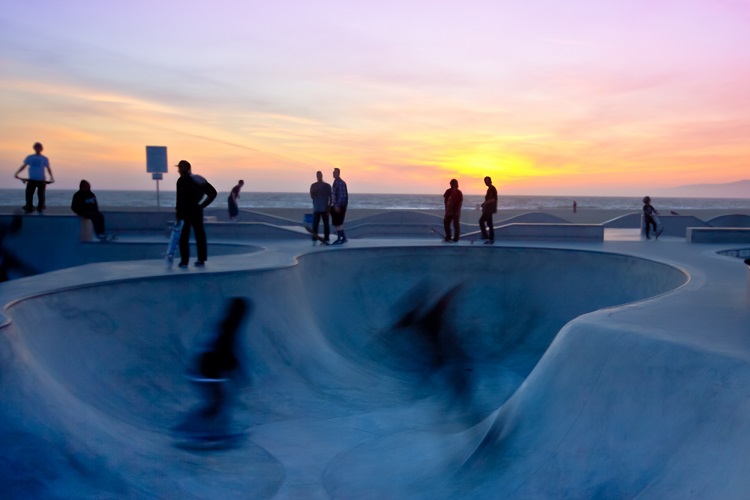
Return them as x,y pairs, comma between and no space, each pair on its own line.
183,163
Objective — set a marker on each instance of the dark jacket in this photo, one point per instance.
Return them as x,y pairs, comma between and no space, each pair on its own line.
84,202
194,193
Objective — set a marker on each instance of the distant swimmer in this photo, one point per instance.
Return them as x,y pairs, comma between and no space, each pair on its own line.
339,202
651,219
36,180
489,207
84,205
320,192
234,195
453,200
194,193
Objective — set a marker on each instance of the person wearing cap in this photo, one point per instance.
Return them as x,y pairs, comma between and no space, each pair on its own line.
194,193
36,181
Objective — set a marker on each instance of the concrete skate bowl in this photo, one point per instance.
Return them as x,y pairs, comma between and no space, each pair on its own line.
355,362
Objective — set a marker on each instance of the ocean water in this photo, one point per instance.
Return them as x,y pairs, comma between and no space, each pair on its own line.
147,199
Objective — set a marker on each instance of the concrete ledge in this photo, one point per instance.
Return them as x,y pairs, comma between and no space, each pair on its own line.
676,225
718,235
551,232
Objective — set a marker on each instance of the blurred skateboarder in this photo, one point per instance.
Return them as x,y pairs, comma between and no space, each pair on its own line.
219,362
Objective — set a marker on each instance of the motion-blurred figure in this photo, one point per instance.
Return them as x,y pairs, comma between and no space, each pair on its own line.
219,362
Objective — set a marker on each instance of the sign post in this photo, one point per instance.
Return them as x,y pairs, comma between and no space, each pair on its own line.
156,165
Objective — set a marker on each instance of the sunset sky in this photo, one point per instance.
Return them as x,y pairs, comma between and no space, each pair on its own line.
547,97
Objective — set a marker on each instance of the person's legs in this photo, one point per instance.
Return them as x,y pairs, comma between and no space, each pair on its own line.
447,226
185,241
482,221
316,223
98,219
234,210
491,228
30,188
326,226
42,196
200,237
338,222
650,223
456,227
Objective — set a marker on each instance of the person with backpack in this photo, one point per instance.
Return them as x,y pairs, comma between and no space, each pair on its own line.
194,193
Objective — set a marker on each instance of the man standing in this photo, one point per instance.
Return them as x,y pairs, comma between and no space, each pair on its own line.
339,202
194,193
320,192
454,199
37,164
234,210
489,207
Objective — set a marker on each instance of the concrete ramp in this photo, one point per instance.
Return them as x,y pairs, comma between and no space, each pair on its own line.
356,382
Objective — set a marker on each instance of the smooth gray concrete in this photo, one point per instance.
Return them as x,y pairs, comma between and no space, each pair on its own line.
389,368
718,235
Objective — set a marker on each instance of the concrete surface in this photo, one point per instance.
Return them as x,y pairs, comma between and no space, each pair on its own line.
389,368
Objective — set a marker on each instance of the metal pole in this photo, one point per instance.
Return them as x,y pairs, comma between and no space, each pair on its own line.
158,205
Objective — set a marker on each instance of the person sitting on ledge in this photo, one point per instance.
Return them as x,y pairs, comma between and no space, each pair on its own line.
84,205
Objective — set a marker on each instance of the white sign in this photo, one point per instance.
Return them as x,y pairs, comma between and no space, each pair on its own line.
156,159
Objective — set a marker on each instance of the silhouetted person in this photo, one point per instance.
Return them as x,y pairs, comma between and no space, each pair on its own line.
234,195
218,363
575,206
84,205
489,207
339,202
37,181
7,259
453,199
649,218
194,193
320,192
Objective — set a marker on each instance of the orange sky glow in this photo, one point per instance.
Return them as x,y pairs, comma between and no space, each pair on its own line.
569,104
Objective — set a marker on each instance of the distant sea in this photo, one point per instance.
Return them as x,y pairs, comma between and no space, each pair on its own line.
147,199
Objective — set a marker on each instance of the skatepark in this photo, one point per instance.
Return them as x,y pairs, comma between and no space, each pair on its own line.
571,362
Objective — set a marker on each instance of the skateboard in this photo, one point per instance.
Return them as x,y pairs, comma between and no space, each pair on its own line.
442,236
24,180
475,236
316,236
207,440
659,227
174,240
